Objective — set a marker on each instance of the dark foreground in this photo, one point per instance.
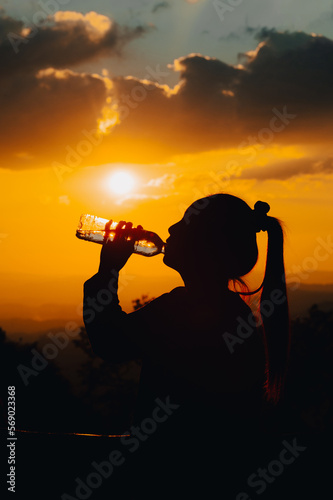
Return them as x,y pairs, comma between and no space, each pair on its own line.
76,467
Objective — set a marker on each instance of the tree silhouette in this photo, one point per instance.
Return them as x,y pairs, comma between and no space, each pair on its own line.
109,389
310,378
140,302
46,402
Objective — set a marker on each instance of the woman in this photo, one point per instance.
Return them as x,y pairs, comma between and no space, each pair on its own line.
201,351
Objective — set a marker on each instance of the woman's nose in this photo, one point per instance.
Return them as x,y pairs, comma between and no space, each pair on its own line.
173,229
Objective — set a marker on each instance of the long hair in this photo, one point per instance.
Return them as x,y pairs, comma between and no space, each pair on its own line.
274,309
234,226
274,312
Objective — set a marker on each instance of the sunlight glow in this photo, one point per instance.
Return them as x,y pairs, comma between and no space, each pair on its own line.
121,182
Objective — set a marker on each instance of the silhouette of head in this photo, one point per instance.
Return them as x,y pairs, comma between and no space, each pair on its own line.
216,241
216,234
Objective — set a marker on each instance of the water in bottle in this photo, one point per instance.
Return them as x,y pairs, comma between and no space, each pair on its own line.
93,228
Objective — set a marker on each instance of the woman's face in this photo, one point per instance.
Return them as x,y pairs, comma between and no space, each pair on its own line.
183,242
175,245
203,239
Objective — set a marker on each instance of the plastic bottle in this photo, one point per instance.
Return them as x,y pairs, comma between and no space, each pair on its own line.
93,228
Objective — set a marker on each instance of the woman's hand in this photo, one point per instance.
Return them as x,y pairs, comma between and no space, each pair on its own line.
115,254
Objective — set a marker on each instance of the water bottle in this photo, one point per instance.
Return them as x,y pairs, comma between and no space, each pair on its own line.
92,228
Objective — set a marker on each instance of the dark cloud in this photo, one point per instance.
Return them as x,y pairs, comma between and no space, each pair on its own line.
8,25
45,113
199,74
198,114
289,169
215,104
240,33
176,121
159,6
44,108
67,39
219,105
292,69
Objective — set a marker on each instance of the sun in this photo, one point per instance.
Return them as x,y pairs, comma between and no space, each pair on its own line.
121,182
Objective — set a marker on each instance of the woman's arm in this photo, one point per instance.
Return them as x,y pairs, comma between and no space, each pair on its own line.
106,324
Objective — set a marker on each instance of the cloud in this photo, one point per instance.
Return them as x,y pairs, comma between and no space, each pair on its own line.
292,69
159,6
289,169
139,196
8,25
215,105
66,39
218,105
198,73
44,105
166,180
240,33
196,115
64,200
45,112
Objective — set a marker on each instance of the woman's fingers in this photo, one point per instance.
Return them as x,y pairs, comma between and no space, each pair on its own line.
123,230
128,232
115,253
107,230
120,225
118,231
137,231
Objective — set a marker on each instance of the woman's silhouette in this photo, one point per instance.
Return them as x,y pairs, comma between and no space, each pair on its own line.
200,348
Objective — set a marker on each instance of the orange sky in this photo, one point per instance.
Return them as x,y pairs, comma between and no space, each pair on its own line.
65,132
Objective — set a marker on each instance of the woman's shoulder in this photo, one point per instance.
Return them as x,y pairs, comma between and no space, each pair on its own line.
172,296
163,302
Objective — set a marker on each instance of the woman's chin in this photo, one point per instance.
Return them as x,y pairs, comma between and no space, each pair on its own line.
168,261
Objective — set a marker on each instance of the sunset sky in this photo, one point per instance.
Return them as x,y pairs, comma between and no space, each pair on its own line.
188,98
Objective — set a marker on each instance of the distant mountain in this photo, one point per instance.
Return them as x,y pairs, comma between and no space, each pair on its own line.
30,330
32,325
301,299
40,312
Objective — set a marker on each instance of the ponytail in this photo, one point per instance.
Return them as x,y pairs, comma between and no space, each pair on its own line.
275,313
274,309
